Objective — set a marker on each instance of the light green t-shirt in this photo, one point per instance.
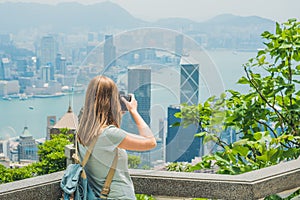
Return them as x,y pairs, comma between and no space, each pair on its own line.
100,162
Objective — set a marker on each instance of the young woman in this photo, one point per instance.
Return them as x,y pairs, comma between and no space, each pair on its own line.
100,121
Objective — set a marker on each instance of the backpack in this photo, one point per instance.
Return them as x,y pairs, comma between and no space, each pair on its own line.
75,182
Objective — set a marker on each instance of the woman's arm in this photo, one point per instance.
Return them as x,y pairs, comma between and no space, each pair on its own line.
145,140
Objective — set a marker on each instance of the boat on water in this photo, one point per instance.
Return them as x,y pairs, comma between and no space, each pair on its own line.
48,95
6,98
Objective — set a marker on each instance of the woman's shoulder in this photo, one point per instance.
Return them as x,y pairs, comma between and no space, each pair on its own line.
114,133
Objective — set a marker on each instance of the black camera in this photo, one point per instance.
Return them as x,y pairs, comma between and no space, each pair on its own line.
127,97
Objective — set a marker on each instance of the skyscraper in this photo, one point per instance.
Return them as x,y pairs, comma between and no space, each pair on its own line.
109,55
48,52
181,145
45,74
60,63
5,69
139,83
179,45
189,81
27,148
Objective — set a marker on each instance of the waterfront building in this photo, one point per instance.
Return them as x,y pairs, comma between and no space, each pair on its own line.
189,81
45,74
4,148
27,148
24,83
109,49
5,66
181,145
9,87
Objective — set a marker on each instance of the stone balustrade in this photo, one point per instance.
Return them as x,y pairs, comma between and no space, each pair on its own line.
175,185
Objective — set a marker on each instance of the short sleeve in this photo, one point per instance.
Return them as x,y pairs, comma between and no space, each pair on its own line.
114,135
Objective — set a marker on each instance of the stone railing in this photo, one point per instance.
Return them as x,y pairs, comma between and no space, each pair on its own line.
173,185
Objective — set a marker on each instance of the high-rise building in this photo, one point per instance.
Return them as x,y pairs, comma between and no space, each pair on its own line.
9,87
189,81
109,55
139,84
181,145
161,128
21,67
179,45
48,52
45,74
27,148
60,63
5,69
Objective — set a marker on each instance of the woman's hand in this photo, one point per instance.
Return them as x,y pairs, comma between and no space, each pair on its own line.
131,105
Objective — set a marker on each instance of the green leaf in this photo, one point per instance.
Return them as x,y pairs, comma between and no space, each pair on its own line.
175,124
257,135
278,28
240,142
242,150
243,80
200,134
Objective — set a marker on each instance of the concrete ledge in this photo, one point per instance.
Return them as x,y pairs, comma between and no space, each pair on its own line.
44,187
252,185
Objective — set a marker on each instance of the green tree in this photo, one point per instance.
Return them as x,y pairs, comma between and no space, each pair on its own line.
266,119
51,154
134,161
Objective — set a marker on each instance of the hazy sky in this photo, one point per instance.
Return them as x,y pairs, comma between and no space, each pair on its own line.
199,10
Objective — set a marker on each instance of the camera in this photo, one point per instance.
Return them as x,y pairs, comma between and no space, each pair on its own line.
127,97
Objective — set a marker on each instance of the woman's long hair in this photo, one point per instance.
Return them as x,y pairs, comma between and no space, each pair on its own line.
101,108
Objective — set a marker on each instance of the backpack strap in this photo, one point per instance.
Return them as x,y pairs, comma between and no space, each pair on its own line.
106,187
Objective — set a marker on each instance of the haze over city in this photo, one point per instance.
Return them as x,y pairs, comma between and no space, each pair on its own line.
197,10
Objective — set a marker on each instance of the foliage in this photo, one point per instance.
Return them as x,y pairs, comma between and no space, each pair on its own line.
51,154
133,161
144,197
179,167
276,197
266,119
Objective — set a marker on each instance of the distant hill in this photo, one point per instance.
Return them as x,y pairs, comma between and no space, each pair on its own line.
219,24
65,17
70,17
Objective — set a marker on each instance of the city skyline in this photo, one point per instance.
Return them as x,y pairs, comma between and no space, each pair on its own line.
198,10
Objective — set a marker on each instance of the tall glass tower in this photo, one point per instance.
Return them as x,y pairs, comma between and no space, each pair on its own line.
109,49
139,83
48,53
189,81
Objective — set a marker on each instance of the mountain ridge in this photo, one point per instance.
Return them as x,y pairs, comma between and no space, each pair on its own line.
73,17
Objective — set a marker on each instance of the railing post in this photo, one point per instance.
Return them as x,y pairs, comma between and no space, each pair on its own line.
69,151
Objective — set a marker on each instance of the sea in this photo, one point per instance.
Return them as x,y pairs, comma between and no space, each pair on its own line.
32,113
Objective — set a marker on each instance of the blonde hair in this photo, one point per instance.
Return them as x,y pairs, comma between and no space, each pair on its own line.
101,108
